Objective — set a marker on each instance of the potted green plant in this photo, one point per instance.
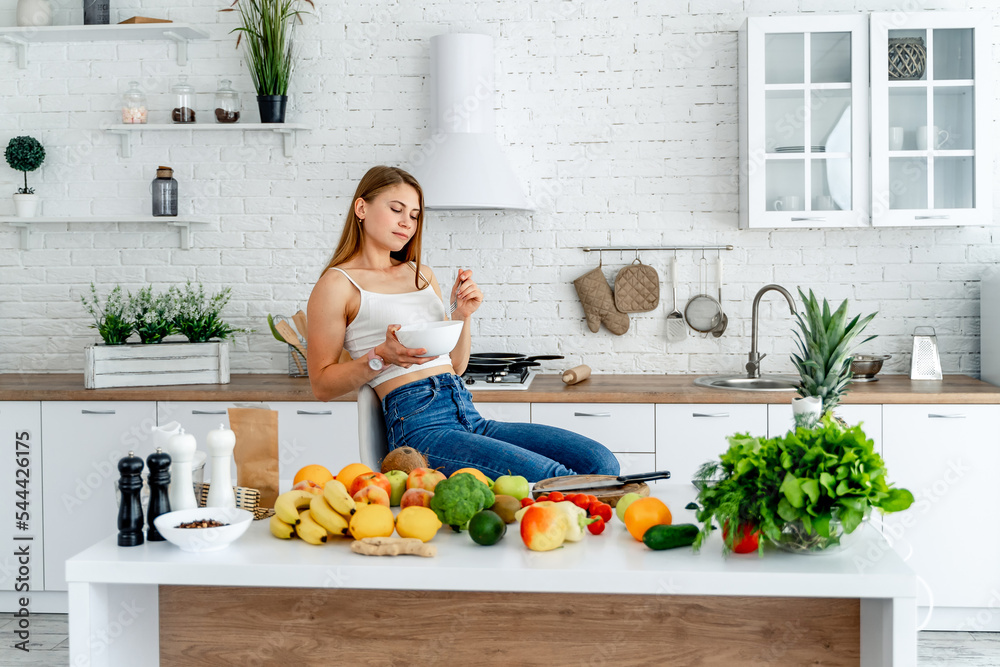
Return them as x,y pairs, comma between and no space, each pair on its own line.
199,317
112,320
152,314
266,32
826,341
25,154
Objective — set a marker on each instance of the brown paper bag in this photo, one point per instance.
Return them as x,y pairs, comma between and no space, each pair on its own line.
256,451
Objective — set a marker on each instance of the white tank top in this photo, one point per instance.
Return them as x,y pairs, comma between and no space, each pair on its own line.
377,311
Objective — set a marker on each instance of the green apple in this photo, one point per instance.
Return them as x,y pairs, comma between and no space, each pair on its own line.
397,482
514,486
623,504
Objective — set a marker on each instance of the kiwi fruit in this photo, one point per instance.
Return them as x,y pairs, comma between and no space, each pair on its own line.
506,506
405,459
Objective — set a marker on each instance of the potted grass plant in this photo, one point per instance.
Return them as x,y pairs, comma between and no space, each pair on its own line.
25,154
266,30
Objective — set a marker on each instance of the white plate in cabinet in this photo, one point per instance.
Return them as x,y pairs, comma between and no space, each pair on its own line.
313,432
689,435
621,427
21,470
84,440
505,412
948,456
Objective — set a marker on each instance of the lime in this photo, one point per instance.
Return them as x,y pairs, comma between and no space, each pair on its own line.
486,528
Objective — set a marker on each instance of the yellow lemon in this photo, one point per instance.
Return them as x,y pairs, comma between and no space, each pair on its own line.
419,522
371,521
478,474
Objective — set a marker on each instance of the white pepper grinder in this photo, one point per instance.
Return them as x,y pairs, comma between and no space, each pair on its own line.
181,493
220,443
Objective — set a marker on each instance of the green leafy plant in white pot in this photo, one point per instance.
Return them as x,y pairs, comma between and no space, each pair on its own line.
266,31
25,154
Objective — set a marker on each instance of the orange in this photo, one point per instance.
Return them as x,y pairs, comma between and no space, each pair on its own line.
478,474
645,513
315,473
350,471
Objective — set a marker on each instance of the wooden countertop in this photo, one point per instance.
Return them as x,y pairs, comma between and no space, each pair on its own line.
955,389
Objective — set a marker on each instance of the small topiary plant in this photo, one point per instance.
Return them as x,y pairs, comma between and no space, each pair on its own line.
25,154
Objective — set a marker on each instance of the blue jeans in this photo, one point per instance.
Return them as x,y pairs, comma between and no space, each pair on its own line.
435,416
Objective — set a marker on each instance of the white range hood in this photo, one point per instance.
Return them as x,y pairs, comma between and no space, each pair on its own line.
461,166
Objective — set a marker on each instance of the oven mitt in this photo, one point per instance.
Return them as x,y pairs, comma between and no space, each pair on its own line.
637,288
599,303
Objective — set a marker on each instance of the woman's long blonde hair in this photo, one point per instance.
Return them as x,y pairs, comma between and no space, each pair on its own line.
352,238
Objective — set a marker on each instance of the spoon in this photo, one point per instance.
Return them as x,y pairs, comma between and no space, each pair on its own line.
724,320
288,334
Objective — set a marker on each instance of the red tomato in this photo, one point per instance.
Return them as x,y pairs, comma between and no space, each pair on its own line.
591,499
556,497
527,501
600,509
746,539
541,498
597,527
580,500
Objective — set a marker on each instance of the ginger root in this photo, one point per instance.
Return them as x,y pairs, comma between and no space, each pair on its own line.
393,546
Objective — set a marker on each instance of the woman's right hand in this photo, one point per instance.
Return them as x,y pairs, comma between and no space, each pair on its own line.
394,352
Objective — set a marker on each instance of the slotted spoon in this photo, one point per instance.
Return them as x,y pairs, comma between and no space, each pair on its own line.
676,332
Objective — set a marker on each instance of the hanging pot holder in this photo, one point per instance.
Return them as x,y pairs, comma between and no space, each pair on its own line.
637,288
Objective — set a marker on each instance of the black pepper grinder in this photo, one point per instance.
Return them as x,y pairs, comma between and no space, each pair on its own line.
159,482
130,511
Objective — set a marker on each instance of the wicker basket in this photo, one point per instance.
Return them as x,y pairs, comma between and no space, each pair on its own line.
246,499
907,57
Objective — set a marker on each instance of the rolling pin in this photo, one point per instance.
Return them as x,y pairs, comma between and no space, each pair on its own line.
576,374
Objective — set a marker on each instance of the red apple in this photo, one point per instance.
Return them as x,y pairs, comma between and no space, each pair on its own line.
371,495
416,497
424,478
309,485
371,479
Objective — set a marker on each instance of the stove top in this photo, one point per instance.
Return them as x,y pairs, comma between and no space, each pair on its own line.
519,380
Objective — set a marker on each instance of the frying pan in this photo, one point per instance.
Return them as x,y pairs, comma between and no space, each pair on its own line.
494,362
510,357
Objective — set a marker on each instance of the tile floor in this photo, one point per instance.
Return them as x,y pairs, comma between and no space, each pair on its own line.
50,647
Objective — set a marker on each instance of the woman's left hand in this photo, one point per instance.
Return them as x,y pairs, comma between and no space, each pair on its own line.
467,294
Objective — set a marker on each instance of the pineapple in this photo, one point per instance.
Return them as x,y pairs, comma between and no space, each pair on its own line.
826,343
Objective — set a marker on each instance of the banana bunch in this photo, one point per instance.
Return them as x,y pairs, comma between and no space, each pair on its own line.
311,516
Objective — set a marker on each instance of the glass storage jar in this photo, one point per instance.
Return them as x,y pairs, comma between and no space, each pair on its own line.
134,108
164,189
227,103
183,94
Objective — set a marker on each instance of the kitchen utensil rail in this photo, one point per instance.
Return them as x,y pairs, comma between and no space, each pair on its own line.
657,247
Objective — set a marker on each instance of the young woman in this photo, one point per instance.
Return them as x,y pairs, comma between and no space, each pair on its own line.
372,286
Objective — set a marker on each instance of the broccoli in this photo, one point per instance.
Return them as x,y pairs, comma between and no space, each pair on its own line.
458,498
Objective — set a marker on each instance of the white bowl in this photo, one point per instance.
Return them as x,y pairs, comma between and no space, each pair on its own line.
203,539
437,337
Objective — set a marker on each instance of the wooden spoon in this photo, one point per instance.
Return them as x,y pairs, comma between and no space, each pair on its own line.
288,334
300,323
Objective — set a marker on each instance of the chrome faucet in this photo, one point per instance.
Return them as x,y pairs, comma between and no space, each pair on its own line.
753,365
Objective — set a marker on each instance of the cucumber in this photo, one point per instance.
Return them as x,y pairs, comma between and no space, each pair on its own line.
662,537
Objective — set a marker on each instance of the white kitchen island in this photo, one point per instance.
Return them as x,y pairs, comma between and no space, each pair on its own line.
607,599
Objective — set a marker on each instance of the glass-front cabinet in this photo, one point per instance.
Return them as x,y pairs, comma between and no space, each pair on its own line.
804,121
931,95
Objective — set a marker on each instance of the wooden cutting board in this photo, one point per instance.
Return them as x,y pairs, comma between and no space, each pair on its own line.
609,496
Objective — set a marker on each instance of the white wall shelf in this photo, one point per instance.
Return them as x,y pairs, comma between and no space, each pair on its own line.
288,131
183,223
181,33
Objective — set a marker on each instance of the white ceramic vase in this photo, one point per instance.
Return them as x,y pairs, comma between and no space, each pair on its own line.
806,410
34,12
26,205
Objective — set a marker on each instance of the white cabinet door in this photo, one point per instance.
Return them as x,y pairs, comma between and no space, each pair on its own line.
779,420
948,456
84,440
621,427
803,122
632,463
689,435
21,472
505,412
932,160
314,432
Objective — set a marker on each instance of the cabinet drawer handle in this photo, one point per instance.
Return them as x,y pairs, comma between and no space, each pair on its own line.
591,414
811,219
97,412
934,416
710,414
932,217
208,412
317,412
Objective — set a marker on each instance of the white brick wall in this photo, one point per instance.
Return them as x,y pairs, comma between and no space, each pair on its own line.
619,116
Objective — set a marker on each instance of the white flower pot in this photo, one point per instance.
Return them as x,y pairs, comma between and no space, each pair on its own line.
26,205
806,410
34,12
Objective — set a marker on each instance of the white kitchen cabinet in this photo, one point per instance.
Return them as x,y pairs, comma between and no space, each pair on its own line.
931,151
198,418
948,456
689,435
21,472
505,412
621,427
314,432
803,123
83,442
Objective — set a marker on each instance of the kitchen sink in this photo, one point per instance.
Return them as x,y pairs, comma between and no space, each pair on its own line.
744,383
